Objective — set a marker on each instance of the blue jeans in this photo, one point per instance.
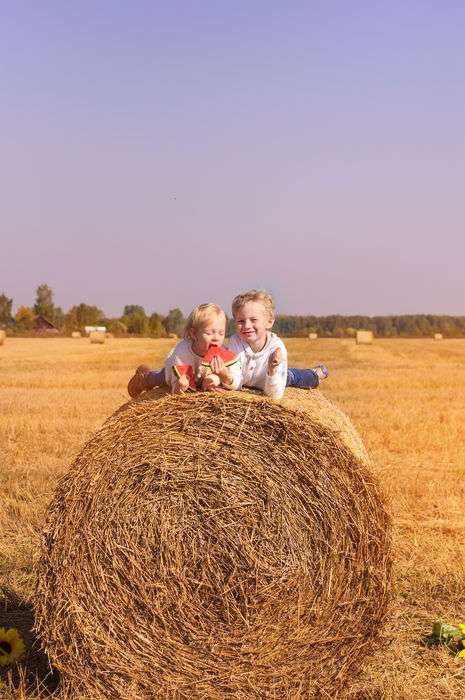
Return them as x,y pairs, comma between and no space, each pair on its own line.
302,378
299,378
156,377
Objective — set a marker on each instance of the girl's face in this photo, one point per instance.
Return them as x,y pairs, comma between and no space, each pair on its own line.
211,333
252,323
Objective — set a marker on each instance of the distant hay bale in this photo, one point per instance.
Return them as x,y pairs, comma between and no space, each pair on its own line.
215,546
313,336
437,336
364,338
75,334
2,337
97,337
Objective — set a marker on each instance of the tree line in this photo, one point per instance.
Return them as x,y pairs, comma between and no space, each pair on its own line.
133,321
136,321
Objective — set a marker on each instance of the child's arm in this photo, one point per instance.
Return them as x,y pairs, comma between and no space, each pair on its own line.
180,385
230,377
276,376
211,383
235,369
179,355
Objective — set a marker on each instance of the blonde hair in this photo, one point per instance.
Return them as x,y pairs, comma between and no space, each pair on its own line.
257,295
201,315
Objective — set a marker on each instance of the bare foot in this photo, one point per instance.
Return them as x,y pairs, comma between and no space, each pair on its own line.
136,384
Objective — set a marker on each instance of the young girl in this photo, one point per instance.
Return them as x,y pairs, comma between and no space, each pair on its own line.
205,329
262,354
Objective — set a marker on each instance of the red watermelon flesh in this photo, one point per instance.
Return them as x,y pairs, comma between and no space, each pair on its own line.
228,357
180,370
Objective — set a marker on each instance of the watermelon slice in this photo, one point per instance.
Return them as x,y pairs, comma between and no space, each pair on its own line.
180,370
228,357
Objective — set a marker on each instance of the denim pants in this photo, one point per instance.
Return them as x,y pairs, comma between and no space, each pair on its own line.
299,378
302,378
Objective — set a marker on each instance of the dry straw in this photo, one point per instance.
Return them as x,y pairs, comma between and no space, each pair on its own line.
216,546
97,337
2,337
364,338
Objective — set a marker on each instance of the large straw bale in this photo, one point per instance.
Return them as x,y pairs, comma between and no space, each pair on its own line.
216,546
2,337
364,338
97,337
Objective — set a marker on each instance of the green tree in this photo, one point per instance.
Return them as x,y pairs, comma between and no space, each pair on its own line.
155,325
44,302
5,310
174,322
137,323
24,318
83,315
58,317
131,309
135,319
115,326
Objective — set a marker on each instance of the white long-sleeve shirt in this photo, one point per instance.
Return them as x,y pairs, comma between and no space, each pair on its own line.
182,354
254,366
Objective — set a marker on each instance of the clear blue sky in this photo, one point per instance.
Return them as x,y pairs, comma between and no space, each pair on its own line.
171,153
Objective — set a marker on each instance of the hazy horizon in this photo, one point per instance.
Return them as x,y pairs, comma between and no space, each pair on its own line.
170,154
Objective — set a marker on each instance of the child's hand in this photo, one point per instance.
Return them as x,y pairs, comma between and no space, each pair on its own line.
274,361
219,368
181,385
211,383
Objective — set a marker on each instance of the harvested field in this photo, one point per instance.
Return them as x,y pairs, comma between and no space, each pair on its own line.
406,398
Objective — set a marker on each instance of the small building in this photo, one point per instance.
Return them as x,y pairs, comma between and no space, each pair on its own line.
43,325
95,329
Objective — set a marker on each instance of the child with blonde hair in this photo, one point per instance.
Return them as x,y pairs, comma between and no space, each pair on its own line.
262,354
197,361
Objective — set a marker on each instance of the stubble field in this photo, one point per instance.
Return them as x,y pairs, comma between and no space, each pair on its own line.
405,397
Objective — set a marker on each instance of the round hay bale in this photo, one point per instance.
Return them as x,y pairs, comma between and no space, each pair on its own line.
364,337
215,546
76,334
2,337
97,337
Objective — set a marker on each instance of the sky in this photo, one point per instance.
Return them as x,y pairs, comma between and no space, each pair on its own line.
171,153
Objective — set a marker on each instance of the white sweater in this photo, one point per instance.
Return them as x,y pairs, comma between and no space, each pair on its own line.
254,366
182,354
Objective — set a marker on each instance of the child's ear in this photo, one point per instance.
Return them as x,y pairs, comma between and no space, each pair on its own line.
270,323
